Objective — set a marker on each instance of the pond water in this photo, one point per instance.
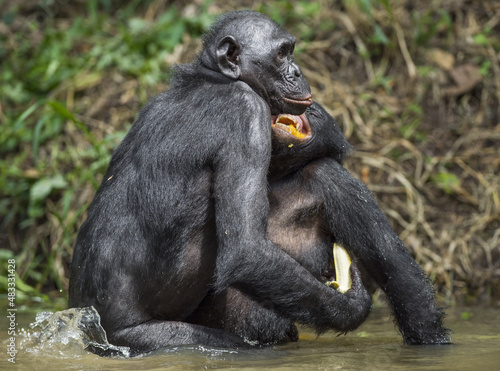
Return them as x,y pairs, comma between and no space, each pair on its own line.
374,346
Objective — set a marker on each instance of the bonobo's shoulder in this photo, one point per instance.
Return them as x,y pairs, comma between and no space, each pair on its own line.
156,105
238,92
194,74
247,93
244,88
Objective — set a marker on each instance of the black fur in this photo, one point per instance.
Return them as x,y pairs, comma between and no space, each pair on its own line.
314,202
183,208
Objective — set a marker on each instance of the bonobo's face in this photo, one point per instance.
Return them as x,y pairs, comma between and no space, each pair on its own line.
250,47
267,65
299,139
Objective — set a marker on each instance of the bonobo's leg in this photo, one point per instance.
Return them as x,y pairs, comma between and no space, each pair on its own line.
238,314
357,222
156,334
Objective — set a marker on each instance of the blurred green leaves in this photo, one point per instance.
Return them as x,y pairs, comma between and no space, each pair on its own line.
49,152
39,192
34,75
447,181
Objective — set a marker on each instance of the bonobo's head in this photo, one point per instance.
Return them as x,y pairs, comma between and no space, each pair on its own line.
250,47
297,140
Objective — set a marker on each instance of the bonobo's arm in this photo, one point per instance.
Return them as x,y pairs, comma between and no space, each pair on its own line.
357,222
247,259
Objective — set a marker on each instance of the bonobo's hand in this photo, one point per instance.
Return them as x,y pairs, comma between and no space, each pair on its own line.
358,289
362,299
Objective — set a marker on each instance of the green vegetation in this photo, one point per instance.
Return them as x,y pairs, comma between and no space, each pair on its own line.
48,154
414,84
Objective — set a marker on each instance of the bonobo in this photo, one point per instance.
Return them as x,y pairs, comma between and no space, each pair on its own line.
314,202
183,208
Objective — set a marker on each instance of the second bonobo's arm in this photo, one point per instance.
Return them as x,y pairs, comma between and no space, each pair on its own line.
248,260
357,222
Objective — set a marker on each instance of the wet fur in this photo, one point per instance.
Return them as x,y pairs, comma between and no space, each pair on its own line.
183,209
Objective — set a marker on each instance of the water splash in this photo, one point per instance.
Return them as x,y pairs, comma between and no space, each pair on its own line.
80,327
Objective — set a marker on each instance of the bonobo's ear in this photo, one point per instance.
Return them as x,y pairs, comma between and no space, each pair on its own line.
228,52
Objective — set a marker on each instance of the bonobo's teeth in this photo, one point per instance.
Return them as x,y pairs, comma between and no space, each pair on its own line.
294,125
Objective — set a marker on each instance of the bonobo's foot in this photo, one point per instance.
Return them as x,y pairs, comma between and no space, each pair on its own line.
428,333
441,338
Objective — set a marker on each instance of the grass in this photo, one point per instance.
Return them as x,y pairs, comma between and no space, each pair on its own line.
75,75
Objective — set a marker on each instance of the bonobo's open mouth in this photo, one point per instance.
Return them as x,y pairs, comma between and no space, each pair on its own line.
306,101
297,126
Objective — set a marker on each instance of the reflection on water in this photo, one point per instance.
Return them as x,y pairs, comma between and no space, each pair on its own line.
58,343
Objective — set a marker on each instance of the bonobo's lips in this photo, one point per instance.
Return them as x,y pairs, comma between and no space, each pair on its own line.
306,101
296,126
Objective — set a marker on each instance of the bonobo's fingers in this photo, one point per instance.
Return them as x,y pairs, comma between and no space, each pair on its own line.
357,283
357,288
361,301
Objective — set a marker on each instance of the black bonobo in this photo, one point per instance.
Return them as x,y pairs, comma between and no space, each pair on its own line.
183,208
315,202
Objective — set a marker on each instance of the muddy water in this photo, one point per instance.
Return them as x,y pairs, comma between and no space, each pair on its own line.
375,346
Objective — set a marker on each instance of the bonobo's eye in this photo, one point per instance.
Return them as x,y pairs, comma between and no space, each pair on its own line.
282,53
285,50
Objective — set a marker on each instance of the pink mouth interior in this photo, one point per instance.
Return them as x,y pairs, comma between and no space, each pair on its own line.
298,126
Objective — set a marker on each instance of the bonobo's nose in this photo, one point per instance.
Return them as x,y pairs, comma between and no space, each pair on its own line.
297,71
294,72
